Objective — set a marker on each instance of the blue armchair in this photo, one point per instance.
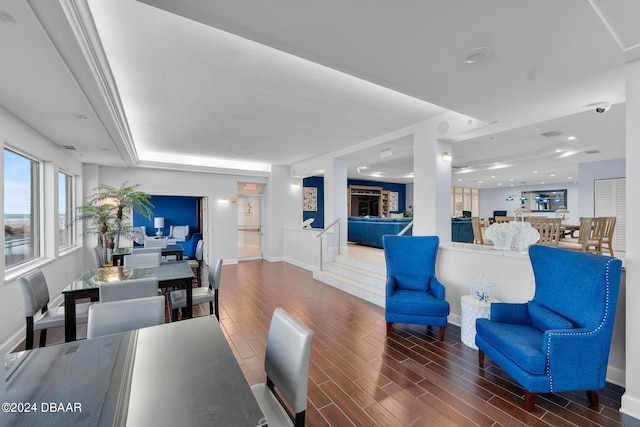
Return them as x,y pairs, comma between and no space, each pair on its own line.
189,246
413,294
559,341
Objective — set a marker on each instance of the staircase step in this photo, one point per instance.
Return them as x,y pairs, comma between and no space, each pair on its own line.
363,275
380,269
367,292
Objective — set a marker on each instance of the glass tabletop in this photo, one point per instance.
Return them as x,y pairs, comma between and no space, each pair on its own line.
174,270
127,250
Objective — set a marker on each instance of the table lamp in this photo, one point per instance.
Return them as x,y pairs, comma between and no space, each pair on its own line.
158,223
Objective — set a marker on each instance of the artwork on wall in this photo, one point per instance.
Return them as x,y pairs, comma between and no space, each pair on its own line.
310,199
393,201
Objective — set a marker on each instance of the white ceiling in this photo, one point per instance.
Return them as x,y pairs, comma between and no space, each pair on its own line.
238,85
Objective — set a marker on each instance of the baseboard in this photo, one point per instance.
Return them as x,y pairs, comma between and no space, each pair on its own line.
630,406
300,264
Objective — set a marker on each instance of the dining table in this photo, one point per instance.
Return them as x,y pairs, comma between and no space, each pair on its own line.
182,373
117,257
173,274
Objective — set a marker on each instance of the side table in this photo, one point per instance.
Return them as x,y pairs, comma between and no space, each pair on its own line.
471,309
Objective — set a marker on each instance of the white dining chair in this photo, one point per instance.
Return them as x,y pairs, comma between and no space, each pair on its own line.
200,295
287,362
128,289
142,260
126,315
155,243
35,294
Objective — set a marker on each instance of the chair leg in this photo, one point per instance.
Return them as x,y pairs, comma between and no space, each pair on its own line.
174,315
481,358
43,337
216,304
442,331
592,395
28,344
529,401
389,328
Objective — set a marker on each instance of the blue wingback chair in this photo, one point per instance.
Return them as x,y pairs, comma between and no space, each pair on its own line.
189,246
413,293
560,340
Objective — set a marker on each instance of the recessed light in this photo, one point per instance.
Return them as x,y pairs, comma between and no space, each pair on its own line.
535,171
493,176
559,150
553,174
571,138
475,55
569,177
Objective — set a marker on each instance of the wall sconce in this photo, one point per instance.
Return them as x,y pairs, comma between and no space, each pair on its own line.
158,223
295,185
446,157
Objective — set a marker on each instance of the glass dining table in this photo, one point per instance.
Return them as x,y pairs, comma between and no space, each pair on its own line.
182,373
176,274
118,256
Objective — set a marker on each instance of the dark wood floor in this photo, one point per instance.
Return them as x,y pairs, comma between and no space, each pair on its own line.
360,377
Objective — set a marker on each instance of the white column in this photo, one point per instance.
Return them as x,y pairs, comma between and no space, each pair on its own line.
432,181
335,200
631,397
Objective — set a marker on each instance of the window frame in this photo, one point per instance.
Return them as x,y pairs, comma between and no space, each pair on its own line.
35,209
69,204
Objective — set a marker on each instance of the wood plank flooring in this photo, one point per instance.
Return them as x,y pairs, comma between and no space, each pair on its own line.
359,377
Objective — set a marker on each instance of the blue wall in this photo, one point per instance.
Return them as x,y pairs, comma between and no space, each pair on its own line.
176,210
318,182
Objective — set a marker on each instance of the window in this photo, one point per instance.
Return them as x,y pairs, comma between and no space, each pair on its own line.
65,210
21,209
465,199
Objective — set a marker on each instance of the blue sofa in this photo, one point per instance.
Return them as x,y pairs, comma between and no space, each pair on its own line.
369,231
461,230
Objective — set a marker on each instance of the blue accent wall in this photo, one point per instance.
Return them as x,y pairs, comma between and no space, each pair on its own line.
318,182
318,215
176,210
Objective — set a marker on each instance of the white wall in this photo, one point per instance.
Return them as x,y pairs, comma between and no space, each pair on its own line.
494,199
59,269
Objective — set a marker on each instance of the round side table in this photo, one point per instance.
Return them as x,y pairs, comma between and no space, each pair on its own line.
471,309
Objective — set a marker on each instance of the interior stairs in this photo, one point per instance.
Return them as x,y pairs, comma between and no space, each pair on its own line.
357,277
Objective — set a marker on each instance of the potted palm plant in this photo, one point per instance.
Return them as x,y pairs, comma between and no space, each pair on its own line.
109,209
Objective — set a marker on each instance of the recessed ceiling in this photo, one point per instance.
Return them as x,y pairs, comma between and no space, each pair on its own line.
247,84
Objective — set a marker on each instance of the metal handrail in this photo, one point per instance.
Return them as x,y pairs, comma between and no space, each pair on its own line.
407,227
327,228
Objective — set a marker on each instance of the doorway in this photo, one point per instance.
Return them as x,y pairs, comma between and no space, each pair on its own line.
250,220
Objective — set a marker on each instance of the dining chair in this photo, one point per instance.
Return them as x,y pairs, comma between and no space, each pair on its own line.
35,294
196,262
140,250
548,228
503,219
142,260
126,315
155,243
287,362
478,238
589,236
98,256
607,237
200,295
128,289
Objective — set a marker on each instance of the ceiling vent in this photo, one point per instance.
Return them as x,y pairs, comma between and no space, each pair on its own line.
69,147
592,151
551,134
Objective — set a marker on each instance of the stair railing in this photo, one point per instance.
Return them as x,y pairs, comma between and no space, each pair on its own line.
327,228
405,229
